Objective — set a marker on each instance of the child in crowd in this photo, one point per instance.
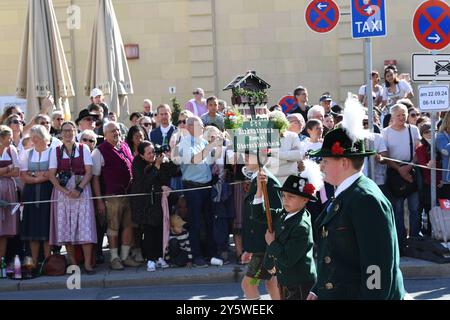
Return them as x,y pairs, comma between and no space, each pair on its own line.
179,249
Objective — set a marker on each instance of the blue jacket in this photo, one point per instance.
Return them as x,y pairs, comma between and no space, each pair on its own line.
156,135
443,146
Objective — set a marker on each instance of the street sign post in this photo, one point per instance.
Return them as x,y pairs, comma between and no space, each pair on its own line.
430,67
431,24
322,15
368,18
433,98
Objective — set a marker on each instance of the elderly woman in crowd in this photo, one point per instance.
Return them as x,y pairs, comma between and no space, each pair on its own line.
401,141
89,138
72,222
44,120
296,125
134,137
9,168
150,173
35,226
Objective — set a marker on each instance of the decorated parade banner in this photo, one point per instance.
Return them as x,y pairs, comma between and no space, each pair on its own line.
256,134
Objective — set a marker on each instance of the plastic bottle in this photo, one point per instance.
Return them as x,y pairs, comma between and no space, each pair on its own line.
3,268
17,268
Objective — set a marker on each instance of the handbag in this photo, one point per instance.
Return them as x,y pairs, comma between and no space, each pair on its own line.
398,186
54,265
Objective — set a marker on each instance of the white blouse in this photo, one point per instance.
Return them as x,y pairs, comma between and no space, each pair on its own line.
87,159
14,156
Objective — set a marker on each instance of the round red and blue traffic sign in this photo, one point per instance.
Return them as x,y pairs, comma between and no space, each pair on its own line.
431,24
322,15
288,104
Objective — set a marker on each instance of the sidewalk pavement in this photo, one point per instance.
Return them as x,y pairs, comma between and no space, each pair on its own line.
136,277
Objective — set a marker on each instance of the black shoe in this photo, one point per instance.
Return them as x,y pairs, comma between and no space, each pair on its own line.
89,272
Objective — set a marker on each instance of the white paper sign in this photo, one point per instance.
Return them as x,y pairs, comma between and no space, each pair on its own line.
433,98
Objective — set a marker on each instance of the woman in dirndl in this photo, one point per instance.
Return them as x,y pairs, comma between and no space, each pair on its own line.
35,225
9,168
72,219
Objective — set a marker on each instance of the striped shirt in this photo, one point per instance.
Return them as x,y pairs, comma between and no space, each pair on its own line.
183,243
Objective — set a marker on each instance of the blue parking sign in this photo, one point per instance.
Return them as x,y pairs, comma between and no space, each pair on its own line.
368,18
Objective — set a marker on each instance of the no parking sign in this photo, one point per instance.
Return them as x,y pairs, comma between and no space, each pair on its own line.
431,24
322,15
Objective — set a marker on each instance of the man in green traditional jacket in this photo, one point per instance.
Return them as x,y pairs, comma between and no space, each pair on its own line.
358,252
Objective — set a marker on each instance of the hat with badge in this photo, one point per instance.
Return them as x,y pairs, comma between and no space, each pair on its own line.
347,141
307,183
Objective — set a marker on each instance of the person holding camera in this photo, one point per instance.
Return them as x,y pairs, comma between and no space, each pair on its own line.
34,164
72,218
150,172
163,133
197,156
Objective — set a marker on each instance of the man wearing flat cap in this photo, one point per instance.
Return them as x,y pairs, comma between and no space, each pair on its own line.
358,252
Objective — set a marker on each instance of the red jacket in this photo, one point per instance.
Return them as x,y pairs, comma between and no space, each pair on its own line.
423,156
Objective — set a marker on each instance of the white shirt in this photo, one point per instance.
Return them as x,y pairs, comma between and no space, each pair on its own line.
55,143
380,169
87,159
14,156
347,183
165,131
402,88
397,142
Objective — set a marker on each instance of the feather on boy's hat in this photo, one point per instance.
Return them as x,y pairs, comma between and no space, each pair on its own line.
347,141
307,184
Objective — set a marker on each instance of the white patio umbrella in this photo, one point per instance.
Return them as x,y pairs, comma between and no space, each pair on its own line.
107,67
43,67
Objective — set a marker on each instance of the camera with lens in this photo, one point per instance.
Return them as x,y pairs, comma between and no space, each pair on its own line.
64,177
161,149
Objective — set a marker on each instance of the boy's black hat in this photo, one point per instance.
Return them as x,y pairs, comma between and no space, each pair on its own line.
299,186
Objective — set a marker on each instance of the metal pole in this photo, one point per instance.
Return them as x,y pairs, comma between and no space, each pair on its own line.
369,95
433,158
433,152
